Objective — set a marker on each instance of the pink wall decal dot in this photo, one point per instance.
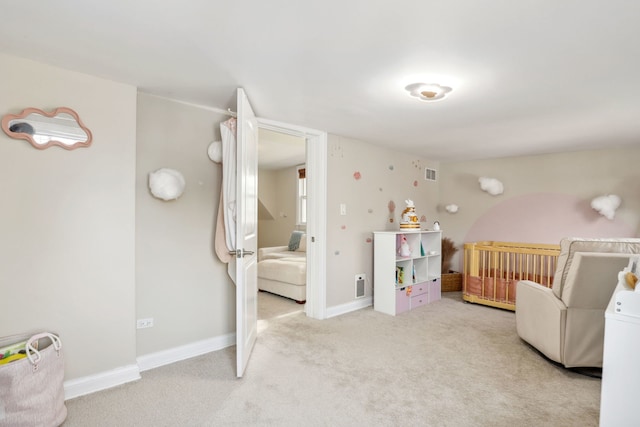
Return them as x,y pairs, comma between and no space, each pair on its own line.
415,183
357,175
423,218
344,227
368,240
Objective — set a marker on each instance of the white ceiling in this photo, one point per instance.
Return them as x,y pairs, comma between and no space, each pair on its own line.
528,76
278,150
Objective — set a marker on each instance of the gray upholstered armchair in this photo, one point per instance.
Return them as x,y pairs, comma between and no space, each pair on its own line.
566,322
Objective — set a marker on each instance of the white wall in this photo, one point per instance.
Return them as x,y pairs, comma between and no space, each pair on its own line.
384,175
180,282
267,195
67,219
279,188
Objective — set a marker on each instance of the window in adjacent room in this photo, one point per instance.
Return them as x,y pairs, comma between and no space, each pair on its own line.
301,214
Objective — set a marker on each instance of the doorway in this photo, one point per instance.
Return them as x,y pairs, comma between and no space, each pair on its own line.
281,219
315,149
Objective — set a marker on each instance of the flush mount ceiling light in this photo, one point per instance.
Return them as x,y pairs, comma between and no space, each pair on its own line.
428,91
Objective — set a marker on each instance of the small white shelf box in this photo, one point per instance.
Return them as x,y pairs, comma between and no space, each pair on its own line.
401,283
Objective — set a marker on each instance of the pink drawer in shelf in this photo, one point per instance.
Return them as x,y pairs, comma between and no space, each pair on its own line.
434,290
418,300
420,289
403,300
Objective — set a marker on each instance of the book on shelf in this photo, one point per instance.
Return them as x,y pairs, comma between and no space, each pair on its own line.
399,275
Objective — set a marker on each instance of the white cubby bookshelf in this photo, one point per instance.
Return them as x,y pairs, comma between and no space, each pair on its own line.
403,283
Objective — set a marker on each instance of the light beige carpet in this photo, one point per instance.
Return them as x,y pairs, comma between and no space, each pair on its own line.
446,364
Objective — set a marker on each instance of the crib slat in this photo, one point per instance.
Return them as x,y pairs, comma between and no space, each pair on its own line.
491,270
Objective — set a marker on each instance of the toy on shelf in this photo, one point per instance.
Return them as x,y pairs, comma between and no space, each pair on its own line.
409,219
404,250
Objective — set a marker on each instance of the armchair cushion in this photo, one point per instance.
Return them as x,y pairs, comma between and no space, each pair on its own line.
595,267
540,318
569,246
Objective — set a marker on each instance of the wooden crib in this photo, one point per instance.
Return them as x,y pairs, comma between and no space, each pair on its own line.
492,269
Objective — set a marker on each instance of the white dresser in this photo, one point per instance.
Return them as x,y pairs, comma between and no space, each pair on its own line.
620,393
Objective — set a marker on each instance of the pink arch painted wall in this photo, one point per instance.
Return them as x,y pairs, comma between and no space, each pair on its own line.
544,218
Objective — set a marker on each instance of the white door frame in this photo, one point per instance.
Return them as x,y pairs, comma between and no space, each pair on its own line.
316,148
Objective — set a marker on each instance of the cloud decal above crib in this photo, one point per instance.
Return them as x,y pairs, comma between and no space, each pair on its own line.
491,185
606,205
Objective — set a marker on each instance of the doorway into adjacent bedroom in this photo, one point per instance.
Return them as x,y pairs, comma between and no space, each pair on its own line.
282,224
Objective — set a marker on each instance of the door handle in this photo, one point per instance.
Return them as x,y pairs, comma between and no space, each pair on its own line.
239,253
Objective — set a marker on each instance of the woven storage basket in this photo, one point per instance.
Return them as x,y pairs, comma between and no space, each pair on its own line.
451,282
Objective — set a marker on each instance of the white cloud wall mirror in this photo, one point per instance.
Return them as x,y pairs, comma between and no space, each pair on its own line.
61,127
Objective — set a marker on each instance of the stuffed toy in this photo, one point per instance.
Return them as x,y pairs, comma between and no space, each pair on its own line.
404,250
631,279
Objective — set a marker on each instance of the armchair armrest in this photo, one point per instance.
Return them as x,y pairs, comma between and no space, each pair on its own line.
264,251
540,318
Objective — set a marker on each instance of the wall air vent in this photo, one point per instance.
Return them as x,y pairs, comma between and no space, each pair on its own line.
430,174
360,284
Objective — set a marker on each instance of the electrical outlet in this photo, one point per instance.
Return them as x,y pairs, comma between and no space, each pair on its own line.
360,284
145,323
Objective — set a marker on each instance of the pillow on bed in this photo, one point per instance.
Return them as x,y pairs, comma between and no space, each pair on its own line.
294,240
303,244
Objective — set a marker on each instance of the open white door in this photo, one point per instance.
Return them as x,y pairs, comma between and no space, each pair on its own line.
246,232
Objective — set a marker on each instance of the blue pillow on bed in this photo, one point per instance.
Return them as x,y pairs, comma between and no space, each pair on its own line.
294,240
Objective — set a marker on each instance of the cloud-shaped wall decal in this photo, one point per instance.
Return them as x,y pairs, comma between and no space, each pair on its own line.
606,205
491,185
452,208
215,151
166,184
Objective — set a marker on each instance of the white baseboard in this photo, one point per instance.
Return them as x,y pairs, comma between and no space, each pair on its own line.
349,307
101,381
198,348
104,380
